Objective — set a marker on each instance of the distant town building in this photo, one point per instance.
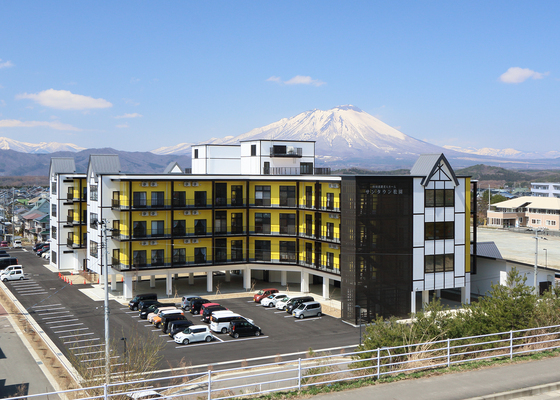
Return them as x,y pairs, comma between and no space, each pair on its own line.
545,189
527,211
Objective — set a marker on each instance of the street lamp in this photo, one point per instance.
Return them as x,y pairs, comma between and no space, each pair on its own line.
359,314
535,288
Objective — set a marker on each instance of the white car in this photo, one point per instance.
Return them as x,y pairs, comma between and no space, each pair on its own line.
194,333
271,300
281,304
14,275
17,243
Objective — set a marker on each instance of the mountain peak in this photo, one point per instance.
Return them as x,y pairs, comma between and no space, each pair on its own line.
347,107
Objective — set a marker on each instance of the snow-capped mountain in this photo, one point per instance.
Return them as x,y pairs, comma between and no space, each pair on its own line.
34,148
182,148
341,133
505,153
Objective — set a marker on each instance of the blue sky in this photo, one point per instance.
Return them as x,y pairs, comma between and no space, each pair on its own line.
138,75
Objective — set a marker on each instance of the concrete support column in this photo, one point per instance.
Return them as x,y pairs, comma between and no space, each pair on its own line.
176,276
284,278
413,303
438,294
113,282
304,282
191,278
466,291
425,298
152,281
209,281
326,287
247,278
127,287
169,285
228,276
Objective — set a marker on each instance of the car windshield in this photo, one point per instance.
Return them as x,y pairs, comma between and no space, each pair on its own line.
301,307
188,330
270,297
260,292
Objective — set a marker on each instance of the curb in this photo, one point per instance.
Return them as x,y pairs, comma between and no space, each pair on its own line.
514,394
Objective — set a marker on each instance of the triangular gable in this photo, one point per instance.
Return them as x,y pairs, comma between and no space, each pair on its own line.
434,167
173,168
62,165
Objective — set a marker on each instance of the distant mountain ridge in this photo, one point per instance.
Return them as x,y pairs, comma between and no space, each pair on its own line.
38,148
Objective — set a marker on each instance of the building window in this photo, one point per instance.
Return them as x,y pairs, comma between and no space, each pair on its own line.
287,224
306,168
158,228
179,228
287,196
53,187
287,251
139,258
309,196
330,260
308,253
253,149
237,223
200,255
262,195
157,199
439,197
93,220
179,199
157,258
330,230
237,250
93,192
220,246
200,227
200,199
439,230
236,195
93,248
179,256
195,153
139,199
330,201
53,232
439,263
53,256
262,250
220,222
221,194
535,221
262,223
53,210
308,225
550,222
139,229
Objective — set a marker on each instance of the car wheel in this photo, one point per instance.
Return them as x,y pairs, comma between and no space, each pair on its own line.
21,278
185,341
319,314
271,305
301,316
236,335
158,325
224,330
4,280
257,333
208,338
195,312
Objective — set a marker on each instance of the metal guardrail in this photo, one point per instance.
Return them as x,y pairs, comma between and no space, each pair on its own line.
282,376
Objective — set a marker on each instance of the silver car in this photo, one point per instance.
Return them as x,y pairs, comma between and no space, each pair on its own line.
309,309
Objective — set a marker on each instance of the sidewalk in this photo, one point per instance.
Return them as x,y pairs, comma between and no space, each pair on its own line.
488,383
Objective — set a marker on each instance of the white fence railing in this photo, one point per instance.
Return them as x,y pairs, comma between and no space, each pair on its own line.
327,368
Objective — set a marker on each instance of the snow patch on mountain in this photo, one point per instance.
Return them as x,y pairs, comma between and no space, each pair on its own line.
505,153
181,149
37,148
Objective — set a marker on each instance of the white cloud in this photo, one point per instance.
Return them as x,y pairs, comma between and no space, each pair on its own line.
518,75
59,126
65,100
6,64
297,80
122,126
133,115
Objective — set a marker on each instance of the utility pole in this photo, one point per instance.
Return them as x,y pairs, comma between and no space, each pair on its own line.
105,269
536,289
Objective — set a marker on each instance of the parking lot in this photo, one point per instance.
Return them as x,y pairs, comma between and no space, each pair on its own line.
75,323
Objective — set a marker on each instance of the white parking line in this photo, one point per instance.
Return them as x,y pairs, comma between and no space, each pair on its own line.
34,294
89,352
131,312
124,308
84,340
31,291
217,338
58,322
308,319
278,312
64,326
85,347
27,286
142,320
59,317
211,343
58,312
49,310
98,359
76,335
48,305
73,330
156,330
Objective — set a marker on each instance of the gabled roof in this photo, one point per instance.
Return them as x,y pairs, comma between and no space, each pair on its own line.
487,249
173,168
433,165
33,214
547,203
62,165
103,164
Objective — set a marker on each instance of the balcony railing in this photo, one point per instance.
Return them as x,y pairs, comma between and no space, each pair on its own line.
286,151
159,205
148,234
166,262
71,244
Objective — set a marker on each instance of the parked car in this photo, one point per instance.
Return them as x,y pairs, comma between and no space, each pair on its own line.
207,310
157,311
178,326
143,312
4,255
3,243
261,294
309,309
16,274
196,305
166,319
3,252
157,320
243,328
186,302
281,304
296,301
43,250
219,321
37,246
7,261
17,243
133,304
194,333
11,268
271,300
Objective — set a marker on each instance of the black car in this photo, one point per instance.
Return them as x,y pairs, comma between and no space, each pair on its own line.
38,246
4,255
43,249
207,313
167,319
296,301
133,304
145,304
196,305
243,328
178,326
143,314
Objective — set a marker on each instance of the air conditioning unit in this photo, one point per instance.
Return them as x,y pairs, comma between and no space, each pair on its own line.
187,241
145,213
333,246
186,184
195,240
153,242
145,243
195,183
153,213
145,184
195,212
186,213
333,185
153,183
333,216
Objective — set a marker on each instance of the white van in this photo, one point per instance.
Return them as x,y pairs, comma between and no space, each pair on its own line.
17,243
309,309
7,270
14,275
219,321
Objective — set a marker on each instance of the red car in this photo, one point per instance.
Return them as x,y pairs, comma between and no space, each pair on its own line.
261,294
3,244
